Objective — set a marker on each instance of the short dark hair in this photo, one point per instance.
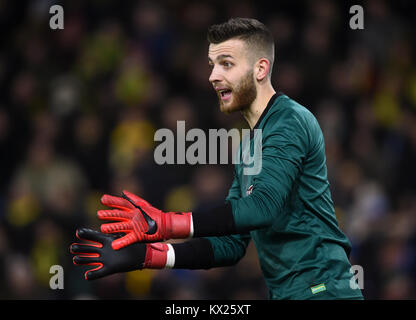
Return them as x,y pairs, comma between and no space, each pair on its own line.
256,35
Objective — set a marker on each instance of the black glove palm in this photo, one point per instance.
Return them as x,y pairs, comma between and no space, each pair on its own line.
97,251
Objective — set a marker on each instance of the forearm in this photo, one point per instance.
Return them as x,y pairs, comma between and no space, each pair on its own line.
222,220
192,254
217,220
210,252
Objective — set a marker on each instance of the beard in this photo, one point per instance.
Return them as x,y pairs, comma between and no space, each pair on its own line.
243,95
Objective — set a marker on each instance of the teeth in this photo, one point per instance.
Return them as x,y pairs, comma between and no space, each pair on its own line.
223,92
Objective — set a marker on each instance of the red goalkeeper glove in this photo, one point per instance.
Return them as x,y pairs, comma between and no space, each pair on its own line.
96,251
141,222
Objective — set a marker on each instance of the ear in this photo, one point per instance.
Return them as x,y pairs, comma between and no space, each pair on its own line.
262,68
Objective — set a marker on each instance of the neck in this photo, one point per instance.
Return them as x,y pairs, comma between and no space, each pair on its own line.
253,113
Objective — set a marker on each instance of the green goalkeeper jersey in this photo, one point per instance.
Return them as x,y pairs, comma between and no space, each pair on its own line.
287,206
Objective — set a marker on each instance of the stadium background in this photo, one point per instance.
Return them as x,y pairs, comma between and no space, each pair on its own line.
79,108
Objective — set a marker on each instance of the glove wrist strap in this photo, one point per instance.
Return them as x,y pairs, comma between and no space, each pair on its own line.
179,225
159,256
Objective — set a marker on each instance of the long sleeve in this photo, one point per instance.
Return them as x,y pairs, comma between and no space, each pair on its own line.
210,252
283,153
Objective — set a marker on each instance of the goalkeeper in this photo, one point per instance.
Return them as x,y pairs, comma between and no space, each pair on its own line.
286,208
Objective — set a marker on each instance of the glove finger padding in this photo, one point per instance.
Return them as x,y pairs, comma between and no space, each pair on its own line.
87,260
116,202
125,241
80,248
116,227
96,273
91,236
88,253
115,215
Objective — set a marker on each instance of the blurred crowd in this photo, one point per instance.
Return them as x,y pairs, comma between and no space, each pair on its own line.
80,106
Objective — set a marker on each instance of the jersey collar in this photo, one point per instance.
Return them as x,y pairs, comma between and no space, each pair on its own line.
269,105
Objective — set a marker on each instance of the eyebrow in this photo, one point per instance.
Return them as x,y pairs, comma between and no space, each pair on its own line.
220,57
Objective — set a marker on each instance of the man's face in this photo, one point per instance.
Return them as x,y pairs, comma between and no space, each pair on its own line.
232,75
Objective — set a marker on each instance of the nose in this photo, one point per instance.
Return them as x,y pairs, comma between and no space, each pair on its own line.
214,76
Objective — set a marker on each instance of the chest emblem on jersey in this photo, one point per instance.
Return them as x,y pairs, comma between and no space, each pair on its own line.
249,190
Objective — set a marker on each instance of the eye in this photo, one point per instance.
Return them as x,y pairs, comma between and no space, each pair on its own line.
227,64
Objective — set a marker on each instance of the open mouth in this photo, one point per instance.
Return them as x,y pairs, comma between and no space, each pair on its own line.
225,94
